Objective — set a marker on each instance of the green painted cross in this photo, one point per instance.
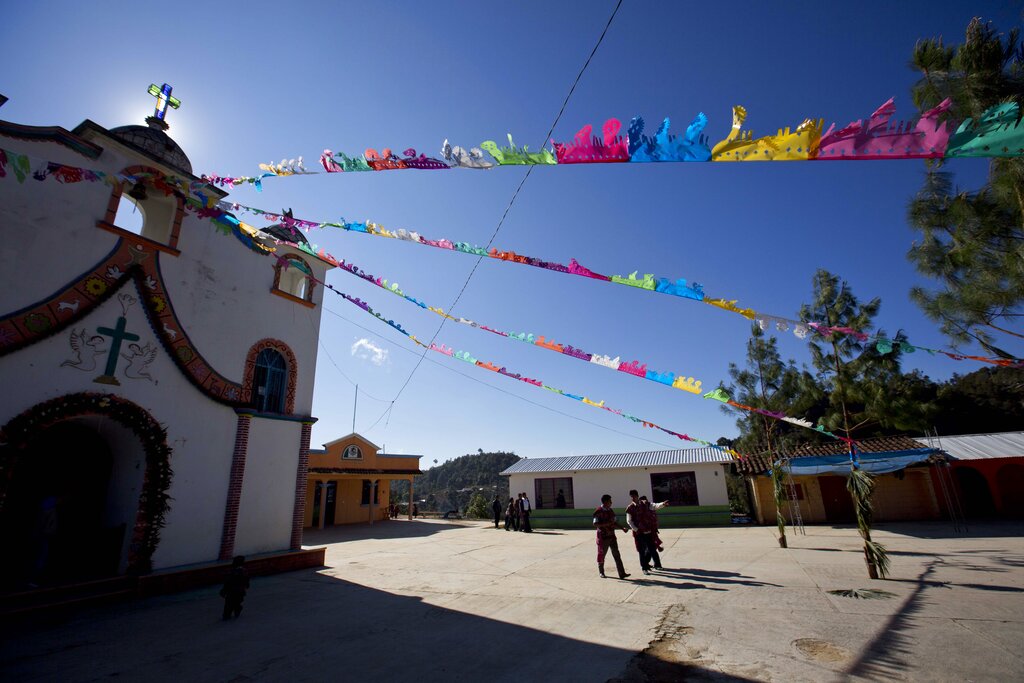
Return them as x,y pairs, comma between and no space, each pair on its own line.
163,100
117,335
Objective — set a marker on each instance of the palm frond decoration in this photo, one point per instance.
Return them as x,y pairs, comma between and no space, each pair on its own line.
863,593
861,486
779,490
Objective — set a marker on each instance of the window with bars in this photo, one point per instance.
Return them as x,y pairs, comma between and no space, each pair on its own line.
269,382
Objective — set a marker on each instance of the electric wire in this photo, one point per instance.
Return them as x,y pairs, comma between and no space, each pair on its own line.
338,368
496,388
501,221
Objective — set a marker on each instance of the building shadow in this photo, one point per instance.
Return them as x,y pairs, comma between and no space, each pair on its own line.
310,626
391,528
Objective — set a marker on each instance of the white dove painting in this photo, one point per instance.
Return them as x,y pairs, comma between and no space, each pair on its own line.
139,359
86,350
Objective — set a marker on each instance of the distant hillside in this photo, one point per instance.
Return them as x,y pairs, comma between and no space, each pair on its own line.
449,486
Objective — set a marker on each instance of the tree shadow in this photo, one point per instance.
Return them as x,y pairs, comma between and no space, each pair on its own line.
958,584
995,528
309,625
890,654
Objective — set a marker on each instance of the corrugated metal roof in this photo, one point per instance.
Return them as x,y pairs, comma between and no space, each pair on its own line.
979,446
618,460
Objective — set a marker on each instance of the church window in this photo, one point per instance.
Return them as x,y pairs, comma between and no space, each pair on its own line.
140,208
367,484
293,278
269,382
129,215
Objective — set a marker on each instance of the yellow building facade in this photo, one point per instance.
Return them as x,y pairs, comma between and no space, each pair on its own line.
350,482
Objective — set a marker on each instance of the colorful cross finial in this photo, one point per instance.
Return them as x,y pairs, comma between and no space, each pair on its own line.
163,100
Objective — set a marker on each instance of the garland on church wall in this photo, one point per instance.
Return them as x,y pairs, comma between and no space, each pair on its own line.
154,501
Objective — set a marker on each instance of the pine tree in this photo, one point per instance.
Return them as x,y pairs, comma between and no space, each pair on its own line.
851,372
770,384
972,243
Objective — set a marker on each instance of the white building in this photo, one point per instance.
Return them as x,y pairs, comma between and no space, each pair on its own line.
692,481
157,382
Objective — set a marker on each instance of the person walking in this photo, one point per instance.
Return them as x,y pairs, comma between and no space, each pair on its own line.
639,517
496,509
517,520
526,514
655,530
606,524
235,586
510,513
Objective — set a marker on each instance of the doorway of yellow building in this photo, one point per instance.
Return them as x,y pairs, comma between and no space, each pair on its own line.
325,494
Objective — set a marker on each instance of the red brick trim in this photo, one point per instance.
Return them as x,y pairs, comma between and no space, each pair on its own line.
250,371
301,475
227,538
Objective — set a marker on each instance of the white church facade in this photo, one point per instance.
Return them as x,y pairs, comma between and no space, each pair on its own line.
157,383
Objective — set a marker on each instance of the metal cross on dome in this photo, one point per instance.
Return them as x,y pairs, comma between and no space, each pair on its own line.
163,100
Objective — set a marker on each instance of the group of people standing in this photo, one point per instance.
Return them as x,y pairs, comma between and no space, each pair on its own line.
642,520
517,513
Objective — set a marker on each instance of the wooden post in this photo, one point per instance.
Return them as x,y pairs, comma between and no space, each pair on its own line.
410,499
323,504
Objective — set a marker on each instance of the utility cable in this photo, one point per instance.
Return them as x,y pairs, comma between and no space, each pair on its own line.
501,221
496,388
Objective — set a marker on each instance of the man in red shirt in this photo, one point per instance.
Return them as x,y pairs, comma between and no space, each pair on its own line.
606,525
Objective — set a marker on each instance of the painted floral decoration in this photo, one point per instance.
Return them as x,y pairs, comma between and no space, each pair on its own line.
95,286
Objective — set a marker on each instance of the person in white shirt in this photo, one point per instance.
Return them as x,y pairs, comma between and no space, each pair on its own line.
526,513
644,523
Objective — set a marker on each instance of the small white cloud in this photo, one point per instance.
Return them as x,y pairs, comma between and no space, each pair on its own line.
364,348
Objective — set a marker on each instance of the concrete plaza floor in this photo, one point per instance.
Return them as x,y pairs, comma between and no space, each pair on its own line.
438,601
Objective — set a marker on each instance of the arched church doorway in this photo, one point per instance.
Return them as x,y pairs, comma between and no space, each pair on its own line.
58,523
1010,480
83,490
975,495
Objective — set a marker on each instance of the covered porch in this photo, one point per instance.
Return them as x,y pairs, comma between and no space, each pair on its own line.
350,496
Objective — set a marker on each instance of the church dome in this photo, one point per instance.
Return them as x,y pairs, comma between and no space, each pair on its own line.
286,233
155,143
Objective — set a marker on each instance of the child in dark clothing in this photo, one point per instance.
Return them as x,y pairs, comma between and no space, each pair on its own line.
235,586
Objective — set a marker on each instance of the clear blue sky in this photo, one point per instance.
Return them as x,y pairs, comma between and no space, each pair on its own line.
262,81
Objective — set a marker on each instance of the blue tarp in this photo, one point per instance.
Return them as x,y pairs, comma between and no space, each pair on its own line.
875,463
